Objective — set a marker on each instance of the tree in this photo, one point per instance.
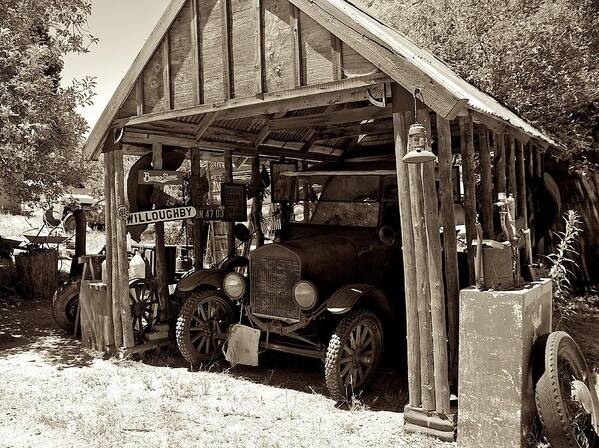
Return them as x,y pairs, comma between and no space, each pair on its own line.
538,57
41,133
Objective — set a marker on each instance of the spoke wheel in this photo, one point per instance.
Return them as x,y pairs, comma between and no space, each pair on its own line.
354,354
564,394
65,303
203,326
145,304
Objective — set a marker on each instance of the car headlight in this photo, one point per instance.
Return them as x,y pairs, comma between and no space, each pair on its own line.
305,294
234,285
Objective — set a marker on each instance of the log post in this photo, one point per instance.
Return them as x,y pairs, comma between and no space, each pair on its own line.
511,168
400,128
469,179
122,284
80,241
486,183
450,252
115,338
422,288
257,202
229,179
500,177
437,286
112,275
521,181
198,235
160,245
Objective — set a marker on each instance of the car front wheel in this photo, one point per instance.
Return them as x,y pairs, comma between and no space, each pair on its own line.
203,325
354,354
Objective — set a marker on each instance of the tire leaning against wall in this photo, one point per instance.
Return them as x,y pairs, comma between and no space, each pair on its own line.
65,303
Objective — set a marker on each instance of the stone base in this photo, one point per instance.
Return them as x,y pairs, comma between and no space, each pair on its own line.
497,332
417,420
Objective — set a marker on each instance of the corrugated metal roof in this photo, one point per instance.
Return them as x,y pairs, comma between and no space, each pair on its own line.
438,70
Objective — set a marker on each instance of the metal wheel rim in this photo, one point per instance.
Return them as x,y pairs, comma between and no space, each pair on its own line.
209,325
144,307
580,420
358,356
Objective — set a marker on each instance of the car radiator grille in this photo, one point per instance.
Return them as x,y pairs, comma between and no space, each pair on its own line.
272,281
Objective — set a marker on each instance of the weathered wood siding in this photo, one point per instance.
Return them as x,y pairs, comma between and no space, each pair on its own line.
181,60
224,60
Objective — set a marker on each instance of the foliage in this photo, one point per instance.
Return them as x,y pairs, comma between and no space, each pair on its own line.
538,57
562,261
41,133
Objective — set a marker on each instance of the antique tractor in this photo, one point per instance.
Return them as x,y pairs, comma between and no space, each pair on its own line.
329,287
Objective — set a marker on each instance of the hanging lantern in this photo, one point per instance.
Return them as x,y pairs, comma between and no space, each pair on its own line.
418,151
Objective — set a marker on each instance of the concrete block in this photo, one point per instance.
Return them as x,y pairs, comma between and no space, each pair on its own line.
495,390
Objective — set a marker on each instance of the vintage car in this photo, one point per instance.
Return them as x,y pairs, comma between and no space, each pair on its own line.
329,287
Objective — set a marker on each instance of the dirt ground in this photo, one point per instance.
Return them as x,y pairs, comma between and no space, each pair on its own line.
53,395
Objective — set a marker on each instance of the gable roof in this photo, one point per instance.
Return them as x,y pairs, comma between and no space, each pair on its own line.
396,55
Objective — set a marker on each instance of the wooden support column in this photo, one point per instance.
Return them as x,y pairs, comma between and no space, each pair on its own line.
469,180
511,167
258,49
400,127
195,54
538,162
109,217
80,241
121,283
257,202
486,183
437,286
166,72
422,288
226,50
298,69
198,235
500,153
521,182
161,270
337,57
450,252
229,179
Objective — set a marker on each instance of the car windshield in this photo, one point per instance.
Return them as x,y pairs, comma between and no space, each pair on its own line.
337,200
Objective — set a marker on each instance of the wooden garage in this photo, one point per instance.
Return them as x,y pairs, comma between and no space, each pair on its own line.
316,80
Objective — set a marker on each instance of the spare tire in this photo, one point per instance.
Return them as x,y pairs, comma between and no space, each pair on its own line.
65,304
566,417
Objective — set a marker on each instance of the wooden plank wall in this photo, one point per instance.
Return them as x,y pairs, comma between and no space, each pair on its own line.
221,49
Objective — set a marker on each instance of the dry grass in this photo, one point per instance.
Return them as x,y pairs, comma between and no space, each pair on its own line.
52,396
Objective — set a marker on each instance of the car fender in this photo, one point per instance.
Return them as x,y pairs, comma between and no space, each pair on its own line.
347,297
210,277
234,262
202,277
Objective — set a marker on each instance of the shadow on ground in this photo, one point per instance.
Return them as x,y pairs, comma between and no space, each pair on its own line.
388,393
29,328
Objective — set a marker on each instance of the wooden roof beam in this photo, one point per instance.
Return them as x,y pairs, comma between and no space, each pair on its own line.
334,92
328,119
275,147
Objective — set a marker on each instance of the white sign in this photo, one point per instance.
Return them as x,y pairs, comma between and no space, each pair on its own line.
168,214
